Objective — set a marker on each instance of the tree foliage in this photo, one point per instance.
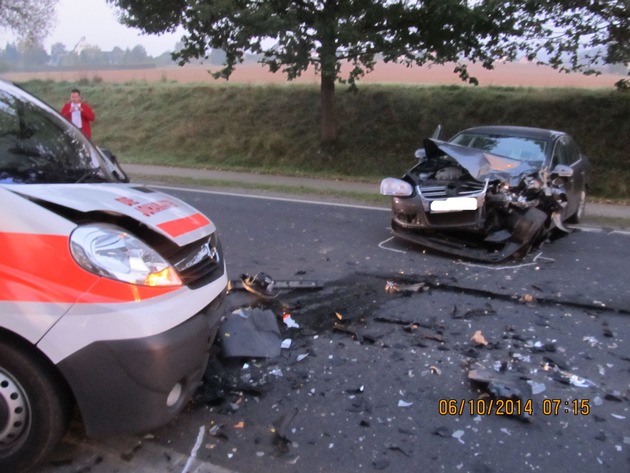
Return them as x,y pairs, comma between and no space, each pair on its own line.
31,20
343,39
573,35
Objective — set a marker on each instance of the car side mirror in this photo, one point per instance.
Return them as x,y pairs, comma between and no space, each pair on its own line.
562,170
420,154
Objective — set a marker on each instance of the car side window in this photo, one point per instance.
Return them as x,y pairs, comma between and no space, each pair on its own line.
573,152
560,154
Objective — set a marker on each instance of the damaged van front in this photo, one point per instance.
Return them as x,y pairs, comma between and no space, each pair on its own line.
110,292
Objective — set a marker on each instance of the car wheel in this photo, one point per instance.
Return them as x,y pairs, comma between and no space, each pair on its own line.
579,213
34,408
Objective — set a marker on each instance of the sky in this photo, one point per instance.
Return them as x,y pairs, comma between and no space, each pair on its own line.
96,21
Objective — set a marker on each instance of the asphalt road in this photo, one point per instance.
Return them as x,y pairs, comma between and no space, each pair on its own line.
401,379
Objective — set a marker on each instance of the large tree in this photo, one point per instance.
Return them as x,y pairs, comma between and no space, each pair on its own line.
30,20
291,36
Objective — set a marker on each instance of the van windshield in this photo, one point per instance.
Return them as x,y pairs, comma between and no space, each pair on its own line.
38,146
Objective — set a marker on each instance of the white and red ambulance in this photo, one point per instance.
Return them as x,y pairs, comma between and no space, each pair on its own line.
110,292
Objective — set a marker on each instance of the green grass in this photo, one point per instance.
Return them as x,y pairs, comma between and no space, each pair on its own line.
275,128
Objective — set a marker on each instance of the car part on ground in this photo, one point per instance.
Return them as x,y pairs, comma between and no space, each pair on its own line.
264,286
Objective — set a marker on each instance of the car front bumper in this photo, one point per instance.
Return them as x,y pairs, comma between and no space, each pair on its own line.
414,213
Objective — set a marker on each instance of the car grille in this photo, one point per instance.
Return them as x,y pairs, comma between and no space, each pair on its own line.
199,262
452,189
465,218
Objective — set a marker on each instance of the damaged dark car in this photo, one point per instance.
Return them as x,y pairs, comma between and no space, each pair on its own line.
490,193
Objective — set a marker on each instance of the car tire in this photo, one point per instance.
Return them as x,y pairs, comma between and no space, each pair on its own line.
35,408
579,213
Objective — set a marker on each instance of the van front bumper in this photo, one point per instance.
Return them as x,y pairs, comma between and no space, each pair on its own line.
136,385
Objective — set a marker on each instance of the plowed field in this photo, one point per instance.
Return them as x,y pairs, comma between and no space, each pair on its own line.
513,74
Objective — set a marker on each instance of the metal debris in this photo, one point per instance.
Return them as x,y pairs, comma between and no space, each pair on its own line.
392,287
265,287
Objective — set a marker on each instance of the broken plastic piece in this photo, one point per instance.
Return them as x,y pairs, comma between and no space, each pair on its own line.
289,322
537,388
266,287
262,285
250,333
527,298
478,338
503,390
391,287
572,379
580,382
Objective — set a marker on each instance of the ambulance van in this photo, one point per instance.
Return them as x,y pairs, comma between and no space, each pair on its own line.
110,292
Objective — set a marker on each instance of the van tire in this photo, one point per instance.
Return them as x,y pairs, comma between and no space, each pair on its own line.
35,407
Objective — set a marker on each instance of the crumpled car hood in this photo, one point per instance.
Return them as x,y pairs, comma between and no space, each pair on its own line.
480,164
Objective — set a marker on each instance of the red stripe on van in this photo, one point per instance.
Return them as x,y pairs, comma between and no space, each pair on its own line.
180,226
40,268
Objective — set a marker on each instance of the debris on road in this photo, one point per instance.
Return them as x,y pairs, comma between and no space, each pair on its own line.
265,287
393,287
417,348
250,333
288,321
479,339
261,285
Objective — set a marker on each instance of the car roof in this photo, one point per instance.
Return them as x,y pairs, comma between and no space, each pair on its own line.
503,130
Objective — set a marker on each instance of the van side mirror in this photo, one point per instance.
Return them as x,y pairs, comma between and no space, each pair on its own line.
117,170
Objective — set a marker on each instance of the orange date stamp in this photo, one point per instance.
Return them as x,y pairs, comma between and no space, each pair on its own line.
512,407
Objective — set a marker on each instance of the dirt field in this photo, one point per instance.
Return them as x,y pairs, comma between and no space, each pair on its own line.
513,74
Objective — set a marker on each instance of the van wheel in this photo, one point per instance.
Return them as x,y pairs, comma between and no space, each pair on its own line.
34,408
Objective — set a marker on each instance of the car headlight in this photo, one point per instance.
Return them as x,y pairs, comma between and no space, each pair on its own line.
114,253
396,187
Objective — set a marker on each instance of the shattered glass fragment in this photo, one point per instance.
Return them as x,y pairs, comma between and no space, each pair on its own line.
458,434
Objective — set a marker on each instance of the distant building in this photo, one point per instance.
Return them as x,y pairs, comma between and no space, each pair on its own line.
80,46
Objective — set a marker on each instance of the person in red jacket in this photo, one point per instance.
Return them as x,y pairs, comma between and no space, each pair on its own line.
79,113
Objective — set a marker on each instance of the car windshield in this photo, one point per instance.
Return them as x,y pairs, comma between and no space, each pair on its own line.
38,146
515,147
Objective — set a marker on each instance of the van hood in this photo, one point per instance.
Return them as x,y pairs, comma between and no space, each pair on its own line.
163,213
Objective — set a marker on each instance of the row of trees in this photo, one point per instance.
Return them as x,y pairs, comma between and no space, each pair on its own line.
26,56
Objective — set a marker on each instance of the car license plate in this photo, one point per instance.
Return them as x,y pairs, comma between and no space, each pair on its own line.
454,204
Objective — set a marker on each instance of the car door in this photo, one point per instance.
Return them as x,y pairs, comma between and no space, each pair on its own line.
566,152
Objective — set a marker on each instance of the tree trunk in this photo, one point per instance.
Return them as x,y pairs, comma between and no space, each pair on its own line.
328,118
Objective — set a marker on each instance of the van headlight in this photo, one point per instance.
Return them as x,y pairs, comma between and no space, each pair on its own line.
114,253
